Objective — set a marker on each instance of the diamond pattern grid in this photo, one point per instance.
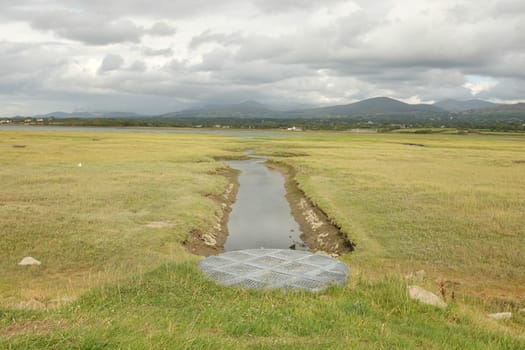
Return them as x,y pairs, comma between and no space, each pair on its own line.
275,268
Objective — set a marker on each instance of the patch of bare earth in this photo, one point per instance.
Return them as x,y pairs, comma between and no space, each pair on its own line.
31,327
212,242
319,232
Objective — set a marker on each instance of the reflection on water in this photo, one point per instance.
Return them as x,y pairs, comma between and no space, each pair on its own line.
261,216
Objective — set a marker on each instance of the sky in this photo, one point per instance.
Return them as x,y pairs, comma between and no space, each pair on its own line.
154,57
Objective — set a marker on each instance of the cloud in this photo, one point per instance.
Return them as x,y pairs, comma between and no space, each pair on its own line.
208,36
162,29
295,52
110,63
148,51
137,66
91,29
159,9
477,84
274,6
26,66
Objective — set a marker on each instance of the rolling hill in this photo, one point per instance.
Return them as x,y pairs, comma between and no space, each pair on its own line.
451,105
372,106
247,109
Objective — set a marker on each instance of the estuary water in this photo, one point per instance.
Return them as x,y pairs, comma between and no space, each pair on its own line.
261,216
216,131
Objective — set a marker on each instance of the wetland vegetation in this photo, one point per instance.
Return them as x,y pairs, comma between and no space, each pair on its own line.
115,272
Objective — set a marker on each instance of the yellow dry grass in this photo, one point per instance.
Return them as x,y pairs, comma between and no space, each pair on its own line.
89,224
451,205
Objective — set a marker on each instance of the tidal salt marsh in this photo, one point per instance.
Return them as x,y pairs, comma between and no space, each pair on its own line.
110,238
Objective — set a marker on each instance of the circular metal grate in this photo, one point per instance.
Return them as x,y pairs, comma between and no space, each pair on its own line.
275,268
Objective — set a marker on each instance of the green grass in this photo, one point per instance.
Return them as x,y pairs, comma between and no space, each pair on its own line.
453,207
175,307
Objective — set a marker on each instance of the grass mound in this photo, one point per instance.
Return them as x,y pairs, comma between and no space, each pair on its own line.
175,306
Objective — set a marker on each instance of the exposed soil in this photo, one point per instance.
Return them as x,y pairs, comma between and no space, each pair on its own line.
319,232
212,242
31,327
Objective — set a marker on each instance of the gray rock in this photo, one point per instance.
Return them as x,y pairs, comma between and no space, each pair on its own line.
425,297
500,315
27,261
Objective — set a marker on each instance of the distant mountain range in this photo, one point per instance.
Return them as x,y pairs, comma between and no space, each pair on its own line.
89,115
461,106
378,106
372,106
244,109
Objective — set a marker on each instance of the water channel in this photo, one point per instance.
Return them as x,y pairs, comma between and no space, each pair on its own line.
243,133
261,216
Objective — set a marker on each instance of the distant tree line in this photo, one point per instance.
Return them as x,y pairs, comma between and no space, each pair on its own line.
502,122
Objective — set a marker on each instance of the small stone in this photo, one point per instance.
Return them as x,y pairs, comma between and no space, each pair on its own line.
500,315
29,261
425,297
209,240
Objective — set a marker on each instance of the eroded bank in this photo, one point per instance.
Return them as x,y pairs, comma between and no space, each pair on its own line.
316,231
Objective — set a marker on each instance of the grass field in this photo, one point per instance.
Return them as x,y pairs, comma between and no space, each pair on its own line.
449,204
89,224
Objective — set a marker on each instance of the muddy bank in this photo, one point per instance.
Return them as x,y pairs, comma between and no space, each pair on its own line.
318,232
212,242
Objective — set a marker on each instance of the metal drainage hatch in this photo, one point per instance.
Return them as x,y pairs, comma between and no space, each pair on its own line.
275,268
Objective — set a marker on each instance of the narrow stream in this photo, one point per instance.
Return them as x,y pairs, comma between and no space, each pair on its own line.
261,216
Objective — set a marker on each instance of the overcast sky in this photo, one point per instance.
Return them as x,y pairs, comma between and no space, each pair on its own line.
166,55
